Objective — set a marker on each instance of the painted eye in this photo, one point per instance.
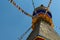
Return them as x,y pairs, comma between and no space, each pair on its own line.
38,12
43,11
49,14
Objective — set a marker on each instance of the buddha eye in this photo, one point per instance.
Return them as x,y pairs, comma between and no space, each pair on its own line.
39,11
34,13
49,14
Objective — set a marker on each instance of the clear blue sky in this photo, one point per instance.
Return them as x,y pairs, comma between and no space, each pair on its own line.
13,23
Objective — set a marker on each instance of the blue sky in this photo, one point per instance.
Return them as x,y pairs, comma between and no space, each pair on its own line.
13,23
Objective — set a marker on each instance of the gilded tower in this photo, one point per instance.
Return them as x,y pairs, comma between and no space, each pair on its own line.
42,24
43,27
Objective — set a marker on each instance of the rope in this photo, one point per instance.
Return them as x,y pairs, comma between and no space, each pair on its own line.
24,34
49,3
33,4
33,7
19,8
48,6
